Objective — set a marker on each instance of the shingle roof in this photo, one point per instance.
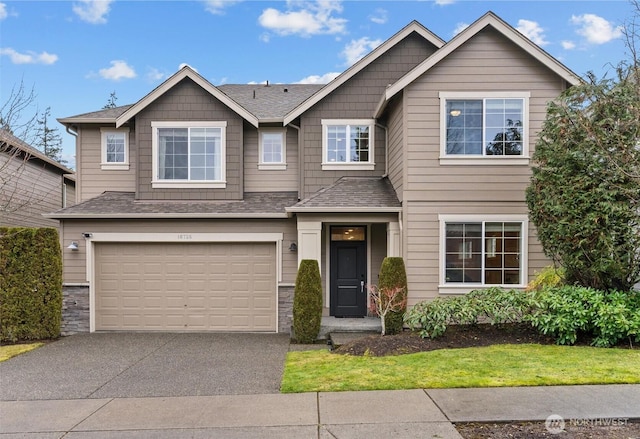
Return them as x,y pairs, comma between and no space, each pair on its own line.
352,194
109,114
272,101
8,141
124,205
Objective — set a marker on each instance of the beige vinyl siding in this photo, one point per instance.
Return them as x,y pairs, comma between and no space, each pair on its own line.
487,62
378,243
188,102
262,180
356,99
395,127
422,242
35,188
75,261
94,179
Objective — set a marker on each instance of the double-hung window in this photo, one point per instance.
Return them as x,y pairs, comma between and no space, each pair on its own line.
272,149
483,251
115,149
348,144
189,154
482,125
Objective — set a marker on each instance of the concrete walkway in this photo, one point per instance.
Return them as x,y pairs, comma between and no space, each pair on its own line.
375,414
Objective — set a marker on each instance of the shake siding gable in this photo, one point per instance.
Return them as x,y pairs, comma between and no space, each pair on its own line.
357,98
188,102
96,180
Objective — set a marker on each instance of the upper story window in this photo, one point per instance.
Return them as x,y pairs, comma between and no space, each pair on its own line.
479,251
189,154
115,149
348,144
484,128
272,149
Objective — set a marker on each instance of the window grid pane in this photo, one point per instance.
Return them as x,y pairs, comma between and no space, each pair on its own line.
464,127
359,136
487,253
115,147
192,154
272,146
337,143
503,126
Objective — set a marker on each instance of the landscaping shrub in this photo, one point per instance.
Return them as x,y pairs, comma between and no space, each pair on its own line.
307,302
549,276
570,311
492,305
30,284
392,276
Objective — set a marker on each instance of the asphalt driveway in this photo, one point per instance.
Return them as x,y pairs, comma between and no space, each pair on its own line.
125,365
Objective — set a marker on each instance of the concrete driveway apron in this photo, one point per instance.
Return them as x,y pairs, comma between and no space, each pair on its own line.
126,365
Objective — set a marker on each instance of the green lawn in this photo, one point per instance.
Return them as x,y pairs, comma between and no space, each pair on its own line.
492,366
9,351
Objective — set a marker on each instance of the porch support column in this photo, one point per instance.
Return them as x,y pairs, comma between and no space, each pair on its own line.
310,241
393,239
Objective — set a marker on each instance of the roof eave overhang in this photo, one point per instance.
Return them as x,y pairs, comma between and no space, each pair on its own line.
489,19
414,26
64,216
77,120
186,72
344,209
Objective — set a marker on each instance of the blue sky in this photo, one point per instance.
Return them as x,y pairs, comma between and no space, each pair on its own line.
76,53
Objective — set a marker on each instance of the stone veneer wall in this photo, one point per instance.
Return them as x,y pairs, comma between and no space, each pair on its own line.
285,309
75,310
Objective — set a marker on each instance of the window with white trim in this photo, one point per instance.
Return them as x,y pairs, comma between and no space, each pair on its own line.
189,154
478,252
347,144
272,149
115,149
484,125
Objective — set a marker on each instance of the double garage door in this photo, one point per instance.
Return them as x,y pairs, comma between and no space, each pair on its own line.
185,287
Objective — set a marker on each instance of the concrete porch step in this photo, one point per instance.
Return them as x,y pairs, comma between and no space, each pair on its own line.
366,325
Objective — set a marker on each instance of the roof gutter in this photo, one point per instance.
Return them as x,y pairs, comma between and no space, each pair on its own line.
163,215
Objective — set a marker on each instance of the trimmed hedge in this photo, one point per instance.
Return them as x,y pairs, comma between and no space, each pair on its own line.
30,283
392,275
307,302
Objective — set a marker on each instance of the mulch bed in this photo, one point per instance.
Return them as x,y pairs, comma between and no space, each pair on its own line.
532,430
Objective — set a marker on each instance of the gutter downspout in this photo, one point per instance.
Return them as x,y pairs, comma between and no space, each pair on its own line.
300,161
73,132
386,149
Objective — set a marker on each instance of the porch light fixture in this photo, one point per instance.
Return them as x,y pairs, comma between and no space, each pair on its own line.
73,246
293,247
455,113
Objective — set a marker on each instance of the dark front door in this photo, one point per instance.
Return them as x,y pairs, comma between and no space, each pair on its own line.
348,272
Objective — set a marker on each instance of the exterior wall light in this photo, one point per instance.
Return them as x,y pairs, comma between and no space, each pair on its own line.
73,246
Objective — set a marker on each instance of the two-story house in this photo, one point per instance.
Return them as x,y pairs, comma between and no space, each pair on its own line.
197,202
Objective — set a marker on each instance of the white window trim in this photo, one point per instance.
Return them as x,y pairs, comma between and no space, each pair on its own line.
452,288
272,166
349,166
106,166
156,183
452,159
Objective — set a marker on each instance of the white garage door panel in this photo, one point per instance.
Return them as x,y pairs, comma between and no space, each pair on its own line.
192,287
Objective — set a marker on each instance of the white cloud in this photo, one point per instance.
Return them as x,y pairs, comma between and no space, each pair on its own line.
459,28
3,11
310,18
444,2
119,70
92,11
29,57
319,79
155,75
533,31
596,29
568,45
379,16
217,7
184,64
356,49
